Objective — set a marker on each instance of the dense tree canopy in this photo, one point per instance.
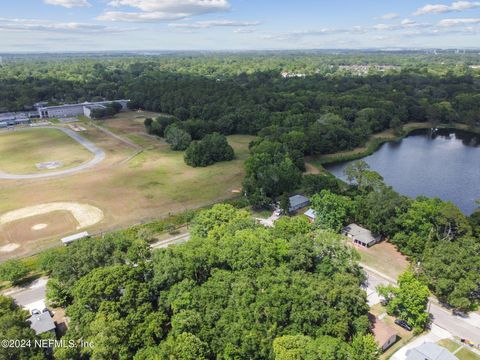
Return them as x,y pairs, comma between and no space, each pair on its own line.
211,149
232,291
14,326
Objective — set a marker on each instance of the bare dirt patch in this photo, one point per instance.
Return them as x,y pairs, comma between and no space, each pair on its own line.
86,215
22,231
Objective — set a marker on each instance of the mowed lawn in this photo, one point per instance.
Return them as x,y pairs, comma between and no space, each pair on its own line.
385,258
161,174
21,150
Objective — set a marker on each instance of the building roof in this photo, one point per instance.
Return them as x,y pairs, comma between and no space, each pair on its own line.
95,106
381,331
81,104
310,213
430,351
360,233
297,200
71,238
42,323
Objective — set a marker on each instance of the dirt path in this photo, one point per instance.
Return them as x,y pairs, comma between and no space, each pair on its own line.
311,169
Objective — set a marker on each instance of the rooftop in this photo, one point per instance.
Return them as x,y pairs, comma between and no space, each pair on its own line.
430,351
381,331
360,233
310,213
42,323
297,200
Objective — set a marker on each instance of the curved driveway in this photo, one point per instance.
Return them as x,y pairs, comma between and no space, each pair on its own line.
99,156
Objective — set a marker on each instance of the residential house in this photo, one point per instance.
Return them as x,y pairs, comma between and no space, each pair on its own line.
297,202
360,235
430,351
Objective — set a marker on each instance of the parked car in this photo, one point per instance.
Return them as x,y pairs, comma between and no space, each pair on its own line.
35,312
403,324
459,313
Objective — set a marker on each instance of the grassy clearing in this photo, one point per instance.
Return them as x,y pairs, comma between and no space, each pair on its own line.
449,344
385,258
22,149
467,354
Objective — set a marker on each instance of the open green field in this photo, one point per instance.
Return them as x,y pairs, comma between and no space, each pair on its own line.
21,150
133,184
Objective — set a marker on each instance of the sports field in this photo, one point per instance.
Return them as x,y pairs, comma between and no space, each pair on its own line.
133,184
23,151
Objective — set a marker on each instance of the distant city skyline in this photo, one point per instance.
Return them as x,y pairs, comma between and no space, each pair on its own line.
116,25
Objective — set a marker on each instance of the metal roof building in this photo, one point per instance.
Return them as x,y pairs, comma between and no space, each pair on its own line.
360,235
297,202
42,323
430,351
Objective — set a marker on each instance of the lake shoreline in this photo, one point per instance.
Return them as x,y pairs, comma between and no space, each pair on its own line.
377,140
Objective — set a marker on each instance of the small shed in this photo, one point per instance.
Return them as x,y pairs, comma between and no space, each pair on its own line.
42,323
69,239
360,235
298,202
310,214
385,336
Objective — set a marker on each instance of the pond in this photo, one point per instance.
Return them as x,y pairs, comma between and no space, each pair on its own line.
442,163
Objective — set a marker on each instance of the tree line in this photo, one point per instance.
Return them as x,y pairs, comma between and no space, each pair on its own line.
234,290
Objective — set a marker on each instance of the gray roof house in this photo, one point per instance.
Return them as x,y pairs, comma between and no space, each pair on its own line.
430,351
42,323
360,235
297,202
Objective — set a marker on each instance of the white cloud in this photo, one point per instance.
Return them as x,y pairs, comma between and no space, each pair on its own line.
161,10
35,25
458,22
442,8
389,16
243,31
215,23
68,3
408,22
155,16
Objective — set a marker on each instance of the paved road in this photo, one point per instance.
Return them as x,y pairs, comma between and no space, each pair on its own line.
171,241
99,156
441,316
30,297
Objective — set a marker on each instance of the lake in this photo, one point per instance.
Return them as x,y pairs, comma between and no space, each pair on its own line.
442,163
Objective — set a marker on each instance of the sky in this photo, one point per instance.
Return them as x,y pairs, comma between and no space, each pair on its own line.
101,25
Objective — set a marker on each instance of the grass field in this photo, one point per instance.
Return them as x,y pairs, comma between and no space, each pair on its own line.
21,150
385,258
150,185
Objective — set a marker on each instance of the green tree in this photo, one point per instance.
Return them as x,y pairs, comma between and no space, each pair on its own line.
178,139
211,149
359,174
332,211
365,348
13,271
14,326
408,301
